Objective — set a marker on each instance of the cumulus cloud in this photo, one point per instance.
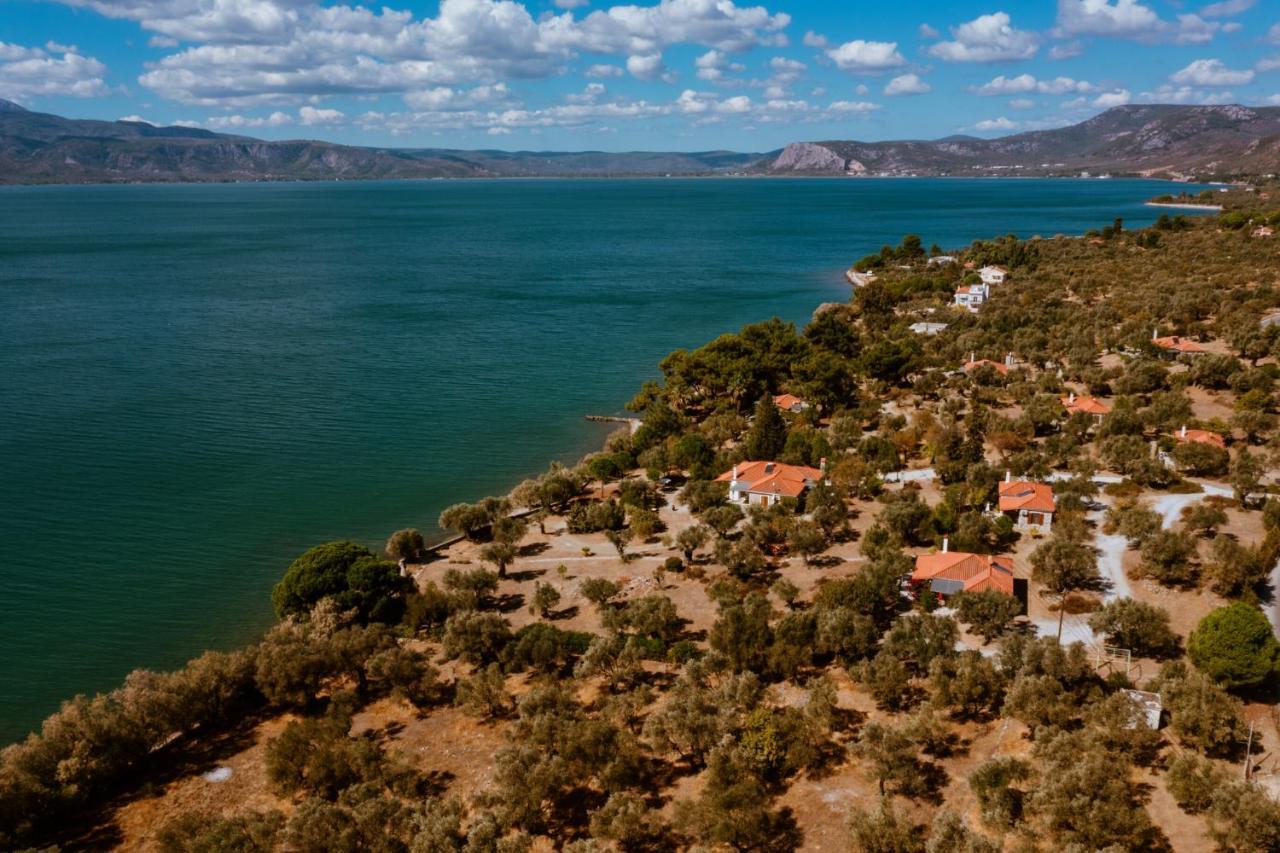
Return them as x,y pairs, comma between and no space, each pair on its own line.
138,119
714,64
1116,98
907,84
927,32
1227,8
1273,34
1205,73
1026,83
55,69
603,70
449,98
987,38
233,122
317,116
1066,50
1186,95
993,124
866,56
1267,63
861,107
280,51
1129,19
812,39
649,66
1022,103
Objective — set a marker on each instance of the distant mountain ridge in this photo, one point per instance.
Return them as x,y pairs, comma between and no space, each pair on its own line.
45,148
1156,139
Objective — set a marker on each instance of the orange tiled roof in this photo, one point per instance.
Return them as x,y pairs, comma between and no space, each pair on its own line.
1088,405
773,478
976,571
1200,436
1177,344
1021,494
1002,369
786,401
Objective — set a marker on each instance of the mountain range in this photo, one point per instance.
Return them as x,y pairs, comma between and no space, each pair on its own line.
1158,140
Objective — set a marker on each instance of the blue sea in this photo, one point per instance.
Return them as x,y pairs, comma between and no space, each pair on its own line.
199,382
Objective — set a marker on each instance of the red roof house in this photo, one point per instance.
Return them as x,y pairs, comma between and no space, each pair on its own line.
1030,505
790,403
765,483
1200,436
1088,405
1175,346
948,572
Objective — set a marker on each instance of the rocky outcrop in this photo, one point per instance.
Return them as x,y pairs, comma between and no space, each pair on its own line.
808,157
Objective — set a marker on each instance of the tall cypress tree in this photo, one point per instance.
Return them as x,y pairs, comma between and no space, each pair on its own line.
768,434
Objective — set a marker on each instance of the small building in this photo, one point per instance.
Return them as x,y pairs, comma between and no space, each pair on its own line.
992,275
790,403
1200,436
1029,505
1175,346
766,483
927,328
1263,231
947,572
1002,368
941,260
1088,405
859,279
1148,709
971,296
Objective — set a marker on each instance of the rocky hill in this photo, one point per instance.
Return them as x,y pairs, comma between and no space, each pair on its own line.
44,148
1156,139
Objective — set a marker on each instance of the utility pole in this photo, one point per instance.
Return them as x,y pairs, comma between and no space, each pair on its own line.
1248,754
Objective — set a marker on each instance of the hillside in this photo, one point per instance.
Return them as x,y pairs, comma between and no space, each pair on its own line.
43,148
612,660
1157,139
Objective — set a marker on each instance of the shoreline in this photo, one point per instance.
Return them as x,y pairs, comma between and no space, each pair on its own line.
1184,205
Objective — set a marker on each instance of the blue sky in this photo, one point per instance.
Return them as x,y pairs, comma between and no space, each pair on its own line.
660,74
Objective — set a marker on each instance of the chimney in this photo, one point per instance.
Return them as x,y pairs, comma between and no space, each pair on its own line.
973,356
1008,359
1184,431
1072,398
735,472
822,464
1155,333
1008,475
946,543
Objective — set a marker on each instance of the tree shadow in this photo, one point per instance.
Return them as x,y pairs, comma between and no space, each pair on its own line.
826,561
533,549
508,602
567,613
525,575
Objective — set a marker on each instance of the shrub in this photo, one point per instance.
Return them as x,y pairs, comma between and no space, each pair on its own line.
1235,646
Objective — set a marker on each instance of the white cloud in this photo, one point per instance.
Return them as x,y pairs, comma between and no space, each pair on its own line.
713,65
449,98
1026,83
314,116
812,39
1227,8
907,84
603,70
993,124
1186,95
1116,98
56,69
1125,18
861,107
1267,63
137,118
861,89
649,66
1205,73
987,38
1273,34
571,4
1066,50
866,56
289,51
1022,103
1129,19
927,32
276,119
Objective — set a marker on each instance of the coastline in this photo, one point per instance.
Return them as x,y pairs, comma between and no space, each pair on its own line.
1184,205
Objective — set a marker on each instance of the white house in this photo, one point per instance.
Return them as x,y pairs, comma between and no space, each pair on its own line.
765,483
941,260
993,275
923,328
1029,505
971,296
790,403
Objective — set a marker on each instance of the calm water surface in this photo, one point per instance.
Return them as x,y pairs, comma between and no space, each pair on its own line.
199,382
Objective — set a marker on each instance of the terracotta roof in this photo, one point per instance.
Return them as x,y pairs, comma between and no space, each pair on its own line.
1021,494
773,478
975,571
1200,436
1002,369
1177,344
1088,405
786,401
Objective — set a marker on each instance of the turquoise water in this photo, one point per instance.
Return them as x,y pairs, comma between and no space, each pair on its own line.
198,382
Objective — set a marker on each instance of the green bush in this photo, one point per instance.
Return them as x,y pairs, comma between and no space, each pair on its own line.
1235,646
